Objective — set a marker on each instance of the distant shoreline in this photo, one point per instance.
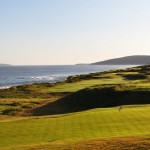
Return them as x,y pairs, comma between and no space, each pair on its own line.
5,65
8,79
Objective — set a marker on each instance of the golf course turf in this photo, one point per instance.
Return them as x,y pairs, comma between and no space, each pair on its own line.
82,111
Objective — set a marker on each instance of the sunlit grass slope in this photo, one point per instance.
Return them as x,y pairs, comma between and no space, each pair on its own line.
132,84
88,125
93,93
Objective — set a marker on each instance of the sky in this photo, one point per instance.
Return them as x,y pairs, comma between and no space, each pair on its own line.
59,32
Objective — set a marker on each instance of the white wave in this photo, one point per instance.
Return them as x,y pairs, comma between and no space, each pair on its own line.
42,78
5,87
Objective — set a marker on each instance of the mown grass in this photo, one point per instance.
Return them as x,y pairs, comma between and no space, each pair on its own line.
77,130
73,87
132,79
75,83
100,96
82,126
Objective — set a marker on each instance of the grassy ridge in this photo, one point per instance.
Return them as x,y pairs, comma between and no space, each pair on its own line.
63,129
131,79
94,97
75,83
88,125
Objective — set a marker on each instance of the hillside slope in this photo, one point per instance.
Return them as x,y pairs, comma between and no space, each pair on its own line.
128,60
115,88
79,93
93,98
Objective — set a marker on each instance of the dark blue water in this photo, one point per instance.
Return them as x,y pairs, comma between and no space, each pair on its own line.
17,75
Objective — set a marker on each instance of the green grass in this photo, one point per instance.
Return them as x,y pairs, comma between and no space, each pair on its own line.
88,125
34,95
73,87
76,83
8,106
129,86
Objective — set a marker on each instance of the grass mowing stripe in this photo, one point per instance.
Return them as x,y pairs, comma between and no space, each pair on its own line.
87,125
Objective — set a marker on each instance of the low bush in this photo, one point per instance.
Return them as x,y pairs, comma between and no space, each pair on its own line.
11,111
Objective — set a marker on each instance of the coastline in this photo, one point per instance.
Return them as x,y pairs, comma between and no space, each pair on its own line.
50,77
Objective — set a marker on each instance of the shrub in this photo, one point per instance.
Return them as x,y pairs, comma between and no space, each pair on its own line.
15,104
11,111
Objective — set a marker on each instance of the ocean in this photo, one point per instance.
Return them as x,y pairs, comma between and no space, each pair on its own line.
18,75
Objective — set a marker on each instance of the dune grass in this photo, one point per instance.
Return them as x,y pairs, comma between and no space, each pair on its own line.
78,129
25,97
72,84
82,126
12,106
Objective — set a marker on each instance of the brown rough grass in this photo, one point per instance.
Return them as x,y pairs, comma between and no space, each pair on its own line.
130,143
126,143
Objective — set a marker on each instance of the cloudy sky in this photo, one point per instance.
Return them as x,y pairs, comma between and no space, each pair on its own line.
50,32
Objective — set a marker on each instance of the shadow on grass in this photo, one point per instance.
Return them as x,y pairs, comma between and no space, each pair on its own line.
93,98
135,76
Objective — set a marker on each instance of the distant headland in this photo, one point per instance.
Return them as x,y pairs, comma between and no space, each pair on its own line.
128,60
4,65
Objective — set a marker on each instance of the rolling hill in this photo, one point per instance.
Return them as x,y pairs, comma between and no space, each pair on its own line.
128,60
82,112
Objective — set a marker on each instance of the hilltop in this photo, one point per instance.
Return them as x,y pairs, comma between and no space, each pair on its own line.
100,90
128,60
79,93
79,113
